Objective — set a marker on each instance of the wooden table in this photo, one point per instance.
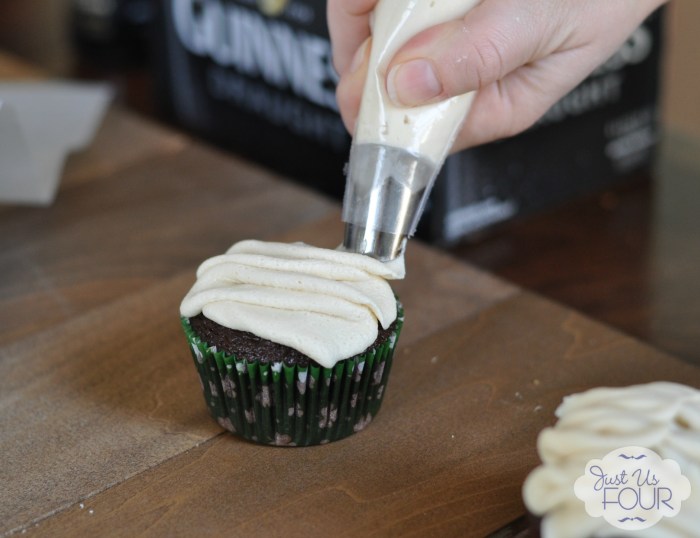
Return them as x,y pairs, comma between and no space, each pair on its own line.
628,256
103,430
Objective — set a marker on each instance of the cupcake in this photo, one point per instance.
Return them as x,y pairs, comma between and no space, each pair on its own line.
293,343
661,417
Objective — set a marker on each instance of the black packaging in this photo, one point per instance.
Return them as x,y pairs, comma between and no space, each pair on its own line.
256,77
112,33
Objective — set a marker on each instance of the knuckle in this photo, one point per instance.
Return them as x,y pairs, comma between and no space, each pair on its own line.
486,61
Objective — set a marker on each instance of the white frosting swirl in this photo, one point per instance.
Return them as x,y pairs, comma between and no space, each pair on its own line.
324,303
661,416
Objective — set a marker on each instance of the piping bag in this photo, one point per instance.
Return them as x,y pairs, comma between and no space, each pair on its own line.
397,152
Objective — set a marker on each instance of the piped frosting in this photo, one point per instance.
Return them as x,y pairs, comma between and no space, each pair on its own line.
324,303
661,416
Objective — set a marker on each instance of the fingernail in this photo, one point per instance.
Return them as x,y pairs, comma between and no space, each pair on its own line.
413,83
359,57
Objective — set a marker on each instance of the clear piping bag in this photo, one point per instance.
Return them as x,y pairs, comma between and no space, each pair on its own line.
397,152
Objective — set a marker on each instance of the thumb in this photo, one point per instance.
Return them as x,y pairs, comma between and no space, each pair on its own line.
490,41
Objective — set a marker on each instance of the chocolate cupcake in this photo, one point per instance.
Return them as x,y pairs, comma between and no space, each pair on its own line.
293,344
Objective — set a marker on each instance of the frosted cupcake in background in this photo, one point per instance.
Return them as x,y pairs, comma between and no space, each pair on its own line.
662,417
293,343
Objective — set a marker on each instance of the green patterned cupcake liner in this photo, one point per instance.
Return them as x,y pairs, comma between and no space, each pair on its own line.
283,405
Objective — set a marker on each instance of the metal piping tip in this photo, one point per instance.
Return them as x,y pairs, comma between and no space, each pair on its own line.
385,193
383,246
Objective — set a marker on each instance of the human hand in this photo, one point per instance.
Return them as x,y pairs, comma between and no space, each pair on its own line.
521,56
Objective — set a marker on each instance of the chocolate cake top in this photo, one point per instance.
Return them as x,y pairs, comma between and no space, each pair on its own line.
246,345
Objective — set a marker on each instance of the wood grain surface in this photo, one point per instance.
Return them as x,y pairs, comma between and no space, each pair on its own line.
93,369
117,234
113,392
103,429
13,68
628,257
446,456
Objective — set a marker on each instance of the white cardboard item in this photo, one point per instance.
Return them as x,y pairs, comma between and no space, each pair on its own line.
40,124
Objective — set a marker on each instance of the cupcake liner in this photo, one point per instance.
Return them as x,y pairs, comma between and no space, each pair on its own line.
278,404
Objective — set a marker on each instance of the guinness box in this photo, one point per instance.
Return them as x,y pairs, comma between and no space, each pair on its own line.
256,77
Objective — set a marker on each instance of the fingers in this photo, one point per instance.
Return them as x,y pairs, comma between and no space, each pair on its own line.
514,103
490,41
493,39
452,58
521,57
348,25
